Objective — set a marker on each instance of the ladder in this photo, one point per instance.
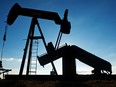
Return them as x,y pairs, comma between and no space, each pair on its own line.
33,62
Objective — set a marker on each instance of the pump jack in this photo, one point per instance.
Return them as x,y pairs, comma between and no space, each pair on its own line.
67,52
65,28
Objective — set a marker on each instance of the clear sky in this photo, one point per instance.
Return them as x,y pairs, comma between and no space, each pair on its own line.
93,28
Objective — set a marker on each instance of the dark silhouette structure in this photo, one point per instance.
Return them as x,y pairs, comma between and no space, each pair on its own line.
67,52
64,28
3,71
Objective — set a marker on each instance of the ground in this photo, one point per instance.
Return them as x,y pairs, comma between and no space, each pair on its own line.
35,83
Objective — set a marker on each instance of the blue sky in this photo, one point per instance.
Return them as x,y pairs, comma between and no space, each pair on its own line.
93,28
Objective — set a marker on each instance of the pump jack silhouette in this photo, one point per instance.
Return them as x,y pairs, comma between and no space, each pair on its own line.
67,52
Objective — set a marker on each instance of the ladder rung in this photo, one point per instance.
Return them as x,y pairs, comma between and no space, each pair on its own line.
32,71
33,58
35,49
34,55
33,63
34,52
33,67
35,45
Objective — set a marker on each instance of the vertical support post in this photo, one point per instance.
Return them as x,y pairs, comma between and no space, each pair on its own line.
69,65
26,49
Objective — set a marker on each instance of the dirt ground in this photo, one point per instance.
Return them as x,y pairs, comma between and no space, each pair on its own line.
35,83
